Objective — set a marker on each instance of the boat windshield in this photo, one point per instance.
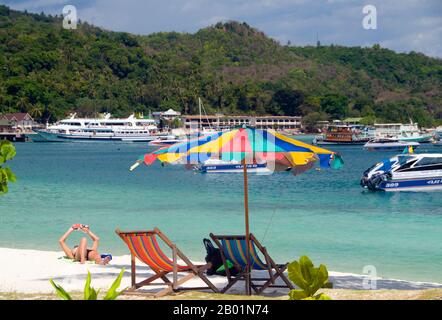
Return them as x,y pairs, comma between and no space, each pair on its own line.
404,159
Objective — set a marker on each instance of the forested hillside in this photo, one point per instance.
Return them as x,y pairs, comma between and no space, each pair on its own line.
49,72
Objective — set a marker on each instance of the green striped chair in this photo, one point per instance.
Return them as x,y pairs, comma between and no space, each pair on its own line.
144,246
233,248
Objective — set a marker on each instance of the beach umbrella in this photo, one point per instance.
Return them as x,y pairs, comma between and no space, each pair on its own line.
247,146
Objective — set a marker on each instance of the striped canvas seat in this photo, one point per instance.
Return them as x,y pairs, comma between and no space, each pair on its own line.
143,245
235,251
146,248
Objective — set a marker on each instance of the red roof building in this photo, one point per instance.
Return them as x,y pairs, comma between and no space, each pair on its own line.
19,120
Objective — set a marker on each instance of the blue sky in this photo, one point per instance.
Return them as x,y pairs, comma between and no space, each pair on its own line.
403,25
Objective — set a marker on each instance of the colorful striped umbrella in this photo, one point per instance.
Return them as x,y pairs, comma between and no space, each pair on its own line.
251,144
247,145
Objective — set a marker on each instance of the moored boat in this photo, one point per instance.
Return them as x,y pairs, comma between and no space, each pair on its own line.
221,166
341,135
389,144
106,129
406,172
166,140
415,137
402,132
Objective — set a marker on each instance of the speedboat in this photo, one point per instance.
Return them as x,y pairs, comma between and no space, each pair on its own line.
389,144
406,172
415,137
222,166
163,141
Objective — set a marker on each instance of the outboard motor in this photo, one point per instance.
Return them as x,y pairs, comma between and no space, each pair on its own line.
374,176
374,181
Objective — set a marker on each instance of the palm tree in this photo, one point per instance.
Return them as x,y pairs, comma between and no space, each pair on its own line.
36,111
23,104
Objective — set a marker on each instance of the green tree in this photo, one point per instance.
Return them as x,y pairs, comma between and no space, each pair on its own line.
310,121
335,105
368,120
289,101
367,111
36,111
7,153
23,104
235,68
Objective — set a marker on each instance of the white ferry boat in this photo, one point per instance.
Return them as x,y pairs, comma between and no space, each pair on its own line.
106,129
407,172
402,132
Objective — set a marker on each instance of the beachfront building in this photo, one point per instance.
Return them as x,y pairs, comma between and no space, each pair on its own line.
21,122
323,125
6,126
352,121
219,121
168,115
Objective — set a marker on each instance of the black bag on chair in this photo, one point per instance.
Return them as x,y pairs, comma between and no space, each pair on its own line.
215,258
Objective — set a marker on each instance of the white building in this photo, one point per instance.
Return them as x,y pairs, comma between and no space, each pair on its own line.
166,115
260,122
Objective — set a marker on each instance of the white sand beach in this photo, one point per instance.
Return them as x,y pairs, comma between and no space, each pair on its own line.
29,271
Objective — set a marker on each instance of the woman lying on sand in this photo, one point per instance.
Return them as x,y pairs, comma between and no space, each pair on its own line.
82,253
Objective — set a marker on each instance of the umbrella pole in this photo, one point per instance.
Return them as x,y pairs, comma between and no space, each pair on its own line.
246,212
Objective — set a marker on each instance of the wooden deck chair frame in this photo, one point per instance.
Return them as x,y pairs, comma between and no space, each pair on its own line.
175,284
275,270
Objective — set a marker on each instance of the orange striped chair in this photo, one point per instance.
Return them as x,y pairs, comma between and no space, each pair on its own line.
233,248
144,246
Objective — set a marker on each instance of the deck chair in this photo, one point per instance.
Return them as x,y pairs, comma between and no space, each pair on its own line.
233,248
144,246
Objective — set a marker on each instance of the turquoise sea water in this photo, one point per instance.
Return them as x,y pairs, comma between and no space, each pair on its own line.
325,215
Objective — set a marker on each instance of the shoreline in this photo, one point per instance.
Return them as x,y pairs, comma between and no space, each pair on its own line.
29,272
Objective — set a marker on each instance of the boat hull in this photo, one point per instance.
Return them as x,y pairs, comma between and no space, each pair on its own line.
340,143
164,143
104,138
35,137
421,184
45,136
422,139
390,147
234,168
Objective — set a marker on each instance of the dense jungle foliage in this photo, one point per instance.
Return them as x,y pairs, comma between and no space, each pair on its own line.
236,69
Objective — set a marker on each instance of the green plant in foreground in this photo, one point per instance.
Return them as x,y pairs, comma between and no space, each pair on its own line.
308,278
89,292
7,152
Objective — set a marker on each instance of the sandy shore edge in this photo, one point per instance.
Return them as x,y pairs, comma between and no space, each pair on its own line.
29,271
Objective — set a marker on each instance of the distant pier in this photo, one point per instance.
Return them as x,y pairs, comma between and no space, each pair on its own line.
13,137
